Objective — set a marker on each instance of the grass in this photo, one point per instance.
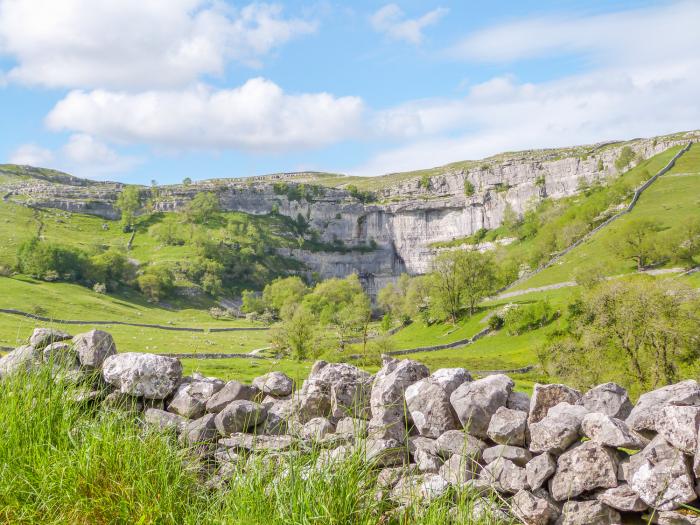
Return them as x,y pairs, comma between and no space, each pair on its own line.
67,463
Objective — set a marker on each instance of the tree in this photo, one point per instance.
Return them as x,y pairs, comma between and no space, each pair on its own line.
685,244
636,240
186,181
469,189
167,232
392,298
156,282
284,291
111,267
128,202
510,218
480,277
202,207
625,158
296,334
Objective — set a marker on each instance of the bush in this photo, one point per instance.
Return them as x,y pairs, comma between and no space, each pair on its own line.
425,182
469,189
625,158
156,282
99,288
496,322
49,261
523,318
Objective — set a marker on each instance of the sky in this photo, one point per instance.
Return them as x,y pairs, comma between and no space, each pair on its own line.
143,90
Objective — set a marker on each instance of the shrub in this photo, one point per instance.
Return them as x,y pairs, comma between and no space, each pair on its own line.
524,318
99,288
625,158
425,181
49,261
156,282
496,322
469,189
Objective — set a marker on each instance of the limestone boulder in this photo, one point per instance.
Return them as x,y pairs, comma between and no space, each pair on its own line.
554,434
573,412
94,347
588,513
202,430
675,517
518,401
611,432
582,469
385,452
646,412
164,420
231,391
609,399
451,378
240,416
191,397
23,358
42,337
679,426
148,375
539,469
61,354
519,456
532,510
508,427
276,384
504,476
476,402
243,442
317,428
459,469
353,427
430,409
421,488
457,442
622,498
426,461
545,397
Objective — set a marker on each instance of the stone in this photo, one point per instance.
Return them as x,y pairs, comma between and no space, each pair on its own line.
94,347
674,517
202,430
351,398
191,397
256,443
517,455
349,426
61,354
588,513
508,427
482,510
422,443
315,401
451,378
427,461
539,469
231,391
622,498
532,510
458,469
504,476
609,399
317,428
239,416
587,467
545,397
518,401
611,432
123,402
679,426
476,402
430,408
457,442
553,434
276,384
334,389
149,375
421,488
660,475
273,424
648,408
23,358
42,337
385,452
164,420
573,412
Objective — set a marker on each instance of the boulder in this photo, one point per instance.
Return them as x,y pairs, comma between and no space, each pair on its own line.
123,402
231,391
23,358
451,378
518,401
504,476
588,513
427,461
648,408
573,412
679,426
458,469
202,430
353,427
336,389
191,397
42,337
317,428
385,452
622,498
94,347
609,399
674,517
430,408
421,488
276,384
149,375
587,467
660,475
508,427
257,443
545,397
611,432
61,354
164,420
240,416
457,442
532,510
539,469
553,434
517,455
422,443
476,402
351,398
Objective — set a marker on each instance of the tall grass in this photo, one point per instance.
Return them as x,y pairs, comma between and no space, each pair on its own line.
64,462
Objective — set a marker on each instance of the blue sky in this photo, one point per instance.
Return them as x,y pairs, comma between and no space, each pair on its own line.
135,90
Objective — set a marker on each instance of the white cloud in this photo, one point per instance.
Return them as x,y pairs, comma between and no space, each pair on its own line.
392,21
136,43
90,155
31,155
258,115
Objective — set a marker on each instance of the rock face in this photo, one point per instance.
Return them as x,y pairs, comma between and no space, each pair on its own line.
147,375
476,402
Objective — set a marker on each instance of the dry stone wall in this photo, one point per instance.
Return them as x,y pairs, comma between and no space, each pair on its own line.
559,456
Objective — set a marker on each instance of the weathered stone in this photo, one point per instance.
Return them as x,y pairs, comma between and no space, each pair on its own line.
457,442
532,510
539,469
256,443
333,389
518,401
422,443
611,432
41,337
505,476
123,402
660,475
385,452
545,397
191,397
317,428
94,347
588,513
609,399
426,461
350,426
451,378
313,401
646,412
675,517
482,510
508,427
164,420
679,426
430,408
622,498
517,455
587,467
553,434
276,384
240,416
573,412
476,402
458,469
420,488
202,430
231,391
61,354
351,397
23,358
149,375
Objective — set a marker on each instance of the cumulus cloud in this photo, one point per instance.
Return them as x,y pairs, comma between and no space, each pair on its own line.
31,155
258,115
392,21
136,43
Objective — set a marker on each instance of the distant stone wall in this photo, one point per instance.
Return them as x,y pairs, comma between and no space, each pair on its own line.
559,456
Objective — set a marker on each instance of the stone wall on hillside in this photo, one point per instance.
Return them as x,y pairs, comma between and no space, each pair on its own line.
559,456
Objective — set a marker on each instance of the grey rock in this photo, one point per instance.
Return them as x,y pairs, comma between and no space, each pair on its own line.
545,397
191,397
274,383
430,408
508,427
673,517
41,337
336,389
622,498
476,402
588,513
660,475
451,378
239,416
459,469
23,358
123,402
164,420
349,426
553,434
94,347
351,397
573,412
317,428
426,461
611,432
61,354
202,430
648,408
149,375
422,443
420,488
539,469
532,510
517,455
609,399
587,467
457,442
231,391
385,452
679,426
504,476
256,443
518,401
